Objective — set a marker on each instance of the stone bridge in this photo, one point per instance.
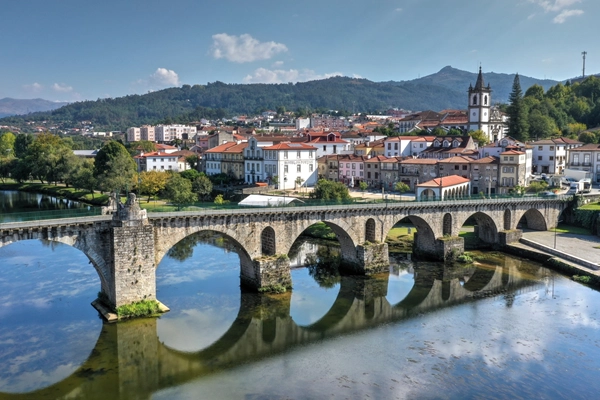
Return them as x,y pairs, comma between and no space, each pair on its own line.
131,362
126,248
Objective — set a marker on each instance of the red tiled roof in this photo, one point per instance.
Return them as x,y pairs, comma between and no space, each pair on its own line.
290,146
445,181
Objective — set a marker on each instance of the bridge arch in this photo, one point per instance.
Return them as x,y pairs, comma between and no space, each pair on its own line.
487,228
84,243
345,233
532,219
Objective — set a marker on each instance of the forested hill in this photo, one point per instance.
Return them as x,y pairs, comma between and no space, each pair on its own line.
446,89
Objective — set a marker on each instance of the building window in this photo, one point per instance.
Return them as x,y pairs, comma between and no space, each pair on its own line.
540,148
297,154
551,148
310,167
353,166
310,154
285,154
299,168
285,169
456,167
464,168
539,158
551,158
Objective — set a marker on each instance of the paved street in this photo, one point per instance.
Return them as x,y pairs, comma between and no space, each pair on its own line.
582,246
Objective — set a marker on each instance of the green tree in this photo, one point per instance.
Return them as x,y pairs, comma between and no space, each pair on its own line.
7,165
536,91
517,113
193,161
114,168
329,190
299,181
22,143
541,126
50,158
152,182
401,187
7,144
588,137
143,145
538,186
363,186
219,200
479,137
202,186
190,174
179,191
275,180
82,176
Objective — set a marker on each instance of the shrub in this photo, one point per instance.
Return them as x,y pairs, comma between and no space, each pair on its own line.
142,308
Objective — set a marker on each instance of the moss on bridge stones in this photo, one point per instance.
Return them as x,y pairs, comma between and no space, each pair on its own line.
271,274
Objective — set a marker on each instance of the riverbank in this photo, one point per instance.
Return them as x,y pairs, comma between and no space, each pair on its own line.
60,191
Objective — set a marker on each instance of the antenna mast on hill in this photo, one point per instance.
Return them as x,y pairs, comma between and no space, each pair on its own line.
584,54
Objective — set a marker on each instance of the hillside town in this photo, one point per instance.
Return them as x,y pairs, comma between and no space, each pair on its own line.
276,150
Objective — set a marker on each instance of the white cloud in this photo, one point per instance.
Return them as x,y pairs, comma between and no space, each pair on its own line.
34,87
562,17
277,64
164,77
562,7
263,75
244,48
61,87
398,9
554,5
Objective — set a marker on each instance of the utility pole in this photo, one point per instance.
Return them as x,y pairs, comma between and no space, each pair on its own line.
584,54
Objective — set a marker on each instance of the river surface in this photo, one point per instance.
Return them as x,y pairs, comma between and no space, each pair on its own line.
504,328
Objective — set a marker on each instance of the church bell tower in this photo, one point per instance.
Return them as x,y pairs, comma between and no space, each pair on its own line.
480,100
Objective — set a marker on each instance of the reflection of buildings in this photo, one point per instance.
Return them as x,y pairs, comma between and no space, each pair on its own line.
299,254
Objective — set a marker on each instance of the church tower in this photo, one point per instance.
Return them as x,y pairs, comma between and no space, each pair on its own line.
480,100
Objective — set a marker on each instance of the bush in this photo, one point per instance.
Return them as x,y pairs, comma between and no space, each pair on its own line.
142,308
582,278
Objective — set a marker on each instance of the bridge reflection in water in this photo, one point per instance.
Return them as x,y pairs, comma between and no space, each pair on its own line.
130,362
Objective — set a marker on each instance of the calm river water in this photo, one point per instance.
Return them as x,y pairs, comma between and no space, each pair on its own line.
507,328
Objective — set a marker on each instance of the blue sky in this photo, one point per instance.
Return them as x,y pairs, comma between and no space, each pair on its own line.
69,50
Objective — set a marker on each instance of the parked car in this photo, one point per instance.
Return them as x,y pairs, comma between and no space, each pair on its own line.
547,194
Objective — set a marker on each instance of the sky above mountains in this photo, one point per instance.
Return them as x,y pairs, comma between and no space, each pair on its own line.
72,50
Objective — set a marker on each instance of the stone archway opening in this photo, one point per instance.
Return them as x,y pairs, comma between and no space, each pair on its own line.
370,231
267,241
411,234
479,231
428,195
532,219
447,225
507,219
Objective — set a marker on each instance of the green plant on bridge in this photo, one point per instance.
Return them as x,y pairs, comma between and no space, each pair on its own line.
144,308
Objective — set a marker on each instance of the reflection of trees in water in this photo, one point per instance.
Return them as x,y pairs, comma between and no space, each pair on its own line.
184,249
323,266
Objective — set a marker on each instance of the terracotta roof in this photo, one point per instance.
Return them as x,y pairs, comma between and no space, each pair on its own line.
377,159
486,160
445,181
587,147
511,152
430,161
457,160
238,148
290,146
561,140
222,147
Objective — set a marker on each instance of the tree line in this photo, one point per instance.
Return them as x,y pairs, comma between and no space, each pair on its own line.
50,159
563,110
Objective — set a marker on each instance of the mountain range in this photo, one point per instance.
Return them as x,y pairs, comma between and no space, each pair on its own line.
10,106
446,89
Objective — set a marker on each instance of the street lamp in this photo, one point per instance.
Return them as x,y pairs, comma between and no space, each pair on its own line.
284,185
558,221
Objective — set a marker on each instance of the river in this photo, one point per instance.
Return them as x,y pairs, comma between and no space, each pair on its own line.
505,328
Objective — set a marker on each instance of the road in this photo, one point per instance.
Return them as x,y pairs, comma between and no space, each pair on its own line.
586,247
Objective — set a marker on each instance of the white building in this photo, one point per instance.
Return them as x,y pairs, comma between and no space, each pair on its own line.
134,134
168,133
550,155
294,164
482,116
586,158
